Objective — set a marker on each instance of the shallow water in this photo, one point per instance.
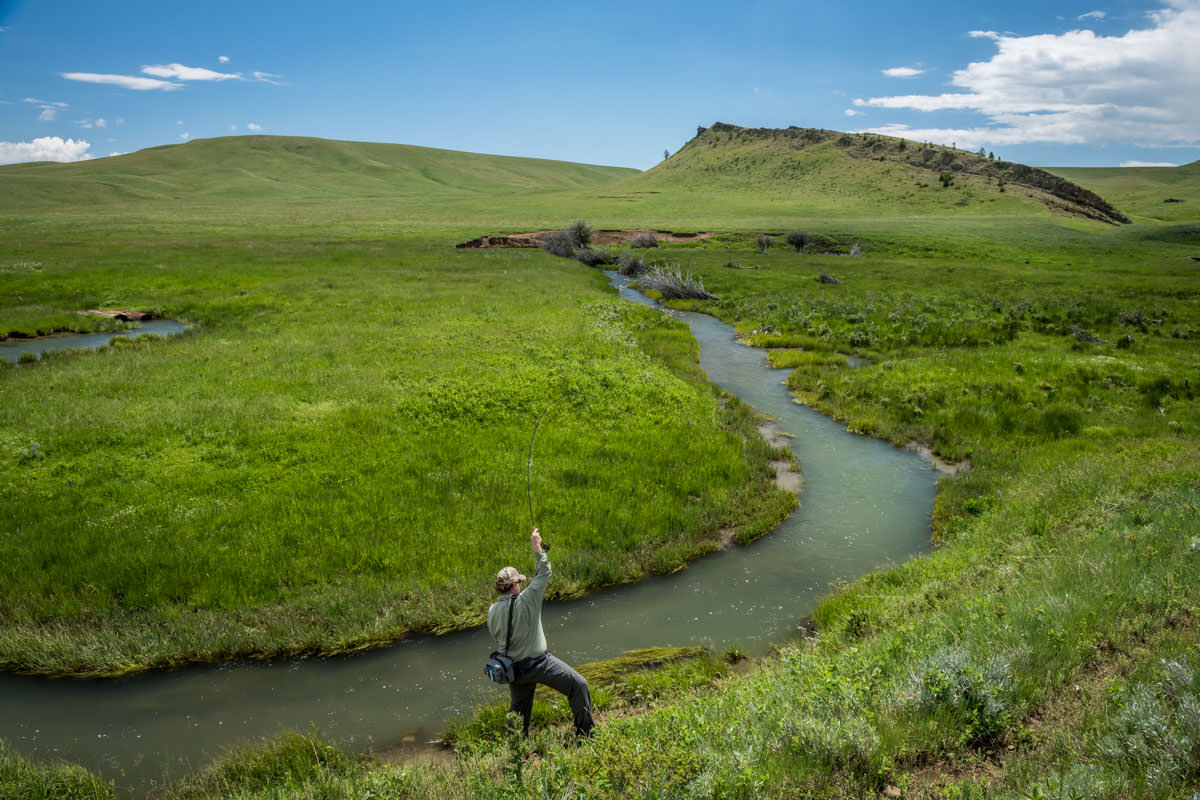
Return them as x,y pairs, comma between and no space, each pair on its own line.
12,350
866,504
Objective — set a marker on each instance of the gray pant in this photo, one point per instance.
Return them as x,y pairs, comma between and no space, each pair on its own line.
550,671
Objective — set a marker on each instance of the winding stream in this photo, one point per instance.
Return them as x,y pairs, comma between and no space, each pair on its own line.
11,350
866,504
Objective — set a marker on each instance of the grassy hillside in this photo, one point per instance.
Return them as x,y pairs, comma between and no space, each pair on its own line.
277,167
1149,192
829,172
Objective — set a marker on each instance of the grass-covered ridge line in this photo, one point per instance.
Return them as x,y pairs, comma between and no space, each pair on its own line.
866,170
288,167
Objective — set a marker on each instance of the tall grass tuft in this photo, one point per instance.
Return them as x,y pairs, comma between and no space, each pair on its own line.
26,780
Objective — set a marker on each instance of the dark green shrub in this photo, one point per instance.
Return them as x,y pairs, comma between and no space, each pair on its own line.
581,234
595,258
763,241
798,240
631,264
28,357
1059,421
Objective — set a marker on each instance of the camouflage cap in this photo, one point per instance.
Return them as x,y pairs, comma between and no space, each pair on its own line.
506,577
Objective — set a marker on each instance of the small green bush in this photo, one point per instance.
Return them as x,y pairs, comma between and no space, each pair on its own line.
763,241
631,264
1058,421
28,357
643,239
798,240
595,258
581,233
977,696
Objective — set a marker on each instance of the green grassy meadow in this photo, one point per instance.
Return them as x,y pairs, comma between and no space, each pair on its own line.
323,460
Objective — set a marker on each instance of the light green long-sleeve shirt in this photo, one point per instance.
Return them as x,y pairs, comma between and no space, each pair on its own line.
528,639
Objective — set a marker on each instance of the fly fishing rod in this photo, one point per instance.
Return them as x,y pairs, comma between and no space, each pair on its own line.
529,462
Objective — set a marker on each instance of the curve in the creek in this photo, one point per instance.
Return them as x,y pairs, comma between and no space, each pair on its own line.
866,505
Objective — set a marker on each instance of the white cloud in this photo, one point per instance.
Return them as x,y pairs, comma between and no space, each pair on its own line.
1148,164
266,77
850,112
185,136
92,123
223,59
253,126
1093,15
44,148
124,81
903,72
1076,87
180,72
49,108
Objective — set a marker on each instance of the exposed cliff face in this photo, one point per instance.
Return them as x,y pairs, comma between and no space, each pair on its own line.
1056,192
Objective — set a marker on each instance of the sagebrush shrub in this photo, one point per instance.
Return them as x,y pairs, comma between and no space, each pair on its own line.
559,244
581,234
673,284
643,239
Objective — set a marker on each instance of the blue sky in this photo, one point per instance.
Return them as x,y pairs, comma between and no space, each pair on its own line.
1091,83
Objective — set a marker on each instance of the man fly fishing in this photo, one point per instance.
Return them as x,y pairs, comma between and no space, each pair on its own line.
526,645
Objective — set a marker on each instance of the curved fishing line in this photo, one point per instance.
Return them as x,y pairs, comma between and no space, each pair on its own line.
529,461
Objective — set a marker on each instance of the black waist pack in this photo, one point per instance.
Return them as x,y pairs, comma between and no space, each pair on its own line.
499,666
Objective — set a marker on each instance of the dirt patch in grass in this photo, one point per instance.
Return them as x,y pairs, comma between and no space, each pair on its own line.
601,237
786,475
943,466
414,749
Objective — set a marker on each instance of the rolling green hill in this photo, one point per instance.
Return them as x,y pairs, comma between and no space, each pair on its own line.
1170,194
835,173
284,167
